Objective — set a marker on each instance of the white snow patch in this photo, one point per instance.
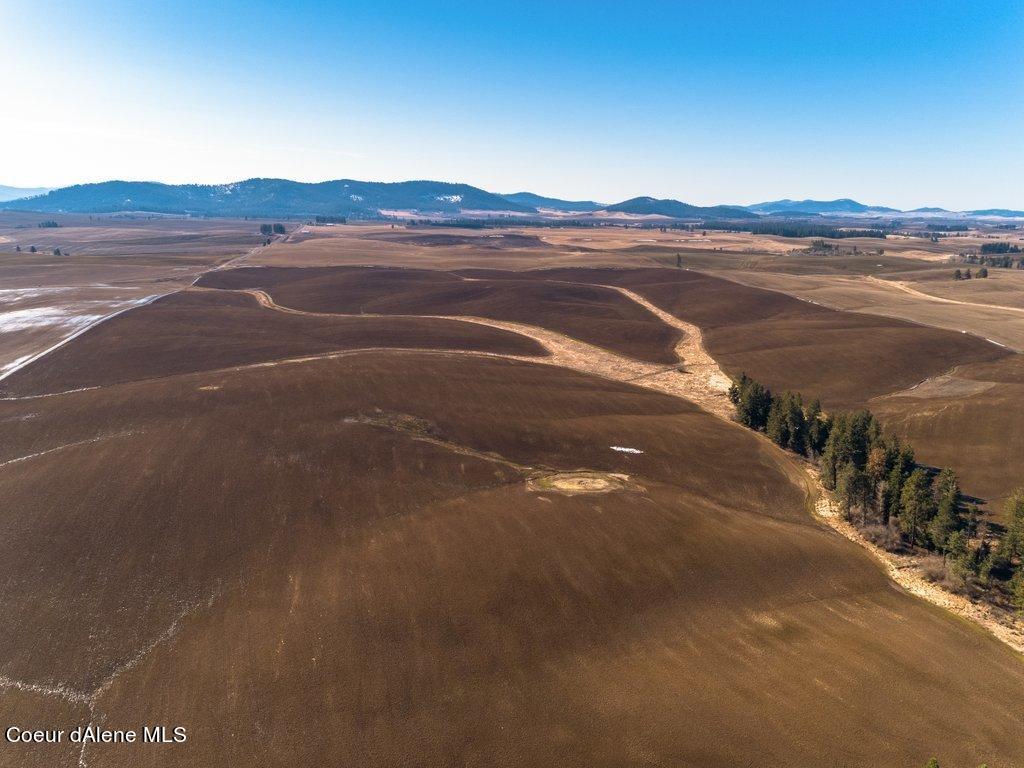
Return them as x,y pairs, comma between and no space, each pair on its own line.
449,198
15,362
624,449
24,319
13,295
355,198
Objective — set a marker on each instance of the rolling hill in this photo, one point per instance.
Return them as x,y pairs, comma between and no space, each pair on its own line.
539,201
1005,212
652,206
271,197
843,205
15,193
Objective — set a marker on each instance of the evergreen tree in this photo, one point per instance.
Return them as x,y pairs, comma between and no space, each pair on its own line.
818,426
948,518
916,506
1017,590
753,402
786,424
737,387
959,555
854,491
1012,544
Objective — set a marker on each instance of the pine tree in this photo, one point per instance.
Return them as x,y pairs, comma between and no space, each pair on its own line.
854,491
737,387
818,427
753,402
958,554
1017,589
1012,544
948,518
916,506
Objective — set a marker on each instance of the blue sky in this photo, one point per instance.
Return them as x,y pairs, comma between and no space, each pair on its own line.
897,103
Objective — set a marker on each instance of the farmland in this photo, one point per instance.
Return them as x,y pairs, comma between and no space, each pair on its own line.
356,498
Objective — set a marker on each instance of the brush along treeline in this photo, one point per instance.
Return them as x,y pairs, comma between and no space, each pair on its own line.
893,500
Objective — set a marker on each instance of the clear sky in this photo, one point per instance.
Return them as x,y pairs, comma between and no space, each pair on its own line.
895,103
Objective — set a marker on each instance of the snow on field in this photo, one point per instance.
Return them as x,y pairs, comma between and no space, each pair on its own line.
624,449
24,319
15,363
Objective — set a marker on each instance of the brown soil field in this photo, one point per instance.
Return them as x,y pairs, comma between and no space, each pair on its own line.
105,237
596,315
1002,287
397,540
339,563
844,358
108,264
887,298
206,330
366,244
970,419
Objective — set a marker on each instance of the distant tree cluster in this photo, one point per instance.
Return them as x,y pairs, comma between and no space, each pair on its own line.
1000,247
882,490
48,224
330,219
1003,261
966,274
802,229
272,229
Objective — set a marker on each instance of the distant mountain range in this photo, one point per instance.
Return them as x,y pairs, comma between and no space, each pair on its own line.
1007,212
269,197
368,199
553,203
651,206
844,205
14,193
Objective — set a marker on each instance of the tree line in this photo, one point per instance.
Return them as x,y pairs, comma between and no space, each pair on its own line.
799,229
882,490
1000,247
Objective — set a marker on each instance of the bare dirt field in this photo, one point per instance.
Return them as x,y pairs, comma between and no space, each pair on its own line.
505,534
844,358
596,315
207,330
970,419
370,597
107,264
927,302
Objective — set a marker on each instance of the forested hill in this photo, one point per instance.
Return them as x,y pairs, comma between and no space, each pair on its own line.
676,209
843,205
553,203
278,197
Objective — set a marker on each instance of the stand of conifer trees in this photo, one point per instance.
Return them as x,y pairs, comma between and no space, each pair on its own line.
886,493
